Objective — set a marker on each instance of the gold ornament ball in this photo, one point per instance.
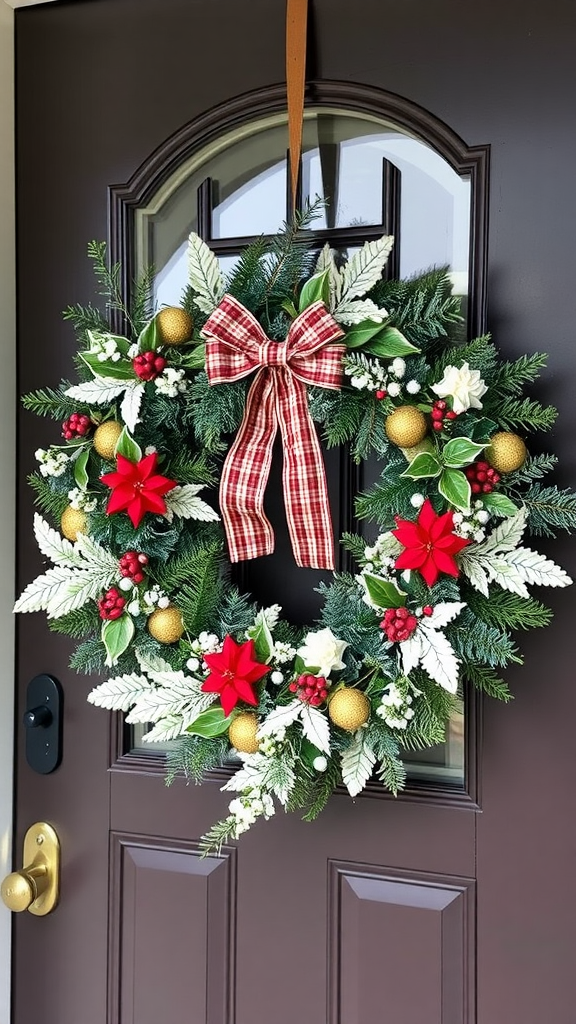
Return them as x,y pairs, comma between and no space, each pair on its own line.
165,624
406,426
72,522
106,437
349,708
242,733
174,325
506,452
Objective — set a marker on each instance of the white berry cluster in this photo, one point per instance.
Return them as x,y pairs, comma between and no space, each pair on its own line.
205,643
381,556
171,382
81,500
104,347
282,653
371,375
53,462
248,807
270,746
395,706
471,525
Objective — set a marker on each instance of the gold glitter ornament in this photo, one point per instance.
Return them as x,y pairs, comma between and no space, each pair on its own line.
165,624
106,438
506,452
72,522
349,708
406,426
174,325
242,733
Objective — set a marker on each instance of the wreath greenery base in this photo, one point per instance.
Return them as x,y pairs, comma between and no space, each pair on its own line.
140,577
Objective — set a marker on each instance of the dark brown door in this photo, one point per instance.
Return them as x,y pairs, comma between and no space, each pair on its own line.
438,907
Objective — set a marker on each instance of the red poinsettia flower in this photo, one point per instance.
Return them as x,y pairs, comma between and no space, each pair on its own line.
137,488
233,673
430,544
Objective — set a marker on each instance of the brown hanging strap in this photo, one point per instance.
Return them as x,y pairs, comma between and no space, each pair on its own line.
296,34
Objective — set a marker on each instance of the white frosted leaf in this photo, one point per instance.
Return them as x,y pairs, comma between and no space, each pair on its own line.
120,693
316,728
474,570
280,718
443,613
56,548
506,536
94,555
358,760
184,502
538,570
84,585
38,594
130,404
438,658
356,311
251,775
169,728
326,261
99,391
364,269
204,274
411,651
151,663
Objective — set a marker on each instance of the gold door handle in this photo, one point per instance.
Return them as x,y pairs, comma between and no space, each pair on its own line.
37,886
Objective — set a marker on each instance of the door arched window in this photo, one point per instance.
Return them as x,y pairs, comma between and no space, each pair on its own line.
381,166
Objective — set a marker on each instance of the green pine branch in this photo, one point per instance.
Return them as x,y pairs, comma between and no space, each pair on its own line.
89,658
53,402
384,501
201,596
52,502
423,308
480,354
476,641
550,510
511,377
535,467
78,623
193,756
519,413
510,611
488,681
86,318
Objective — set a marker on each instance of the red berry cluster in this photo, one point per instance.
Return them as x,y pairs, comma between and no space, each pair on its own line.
77,425
398,624
131,565
482,477
440,413
111,606
148,365
311,689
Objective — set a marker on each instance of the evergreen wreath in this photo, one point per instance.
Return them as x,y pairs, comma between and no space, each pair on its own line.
140,575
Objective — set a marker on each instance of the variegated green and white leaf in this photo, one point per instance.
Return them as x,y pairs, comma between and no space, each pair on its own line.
169,728
119,693
100,391
355,311
204,274
130,404
358,760
364,269
183,501
326,261
56,548
280,718
316,728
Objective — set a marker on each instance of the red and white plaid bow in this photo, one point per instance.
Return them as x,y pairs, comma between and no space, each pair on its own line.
236,346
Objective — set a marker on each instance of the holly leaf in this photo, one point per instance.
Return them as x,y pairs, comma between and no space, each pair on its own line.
460,451
80,473
438,658
389,344
116,637
148,339
210,723
280,718
384,593
195,359
483,429
423,465
499,504
127,446
454,486
316,288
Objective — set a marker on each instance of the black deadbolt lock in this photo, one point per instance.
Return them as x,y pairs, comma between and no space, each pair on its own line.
43,721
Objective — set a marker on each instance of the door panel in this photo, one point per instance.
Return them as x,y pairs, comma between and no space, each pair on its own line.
421,910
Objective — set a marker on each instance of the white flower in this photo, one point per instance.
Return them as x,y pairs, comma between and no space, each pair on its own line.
417,500
394,389
464,386
163,602
282,652
52,462
171,382
132,351
322,650
412,387
320,764
479,536
398,367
